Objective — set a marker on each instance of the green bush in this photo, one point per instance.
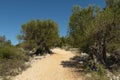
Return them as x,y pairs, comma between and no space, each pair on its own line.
10,52
27,45
100,74
94,70
12,61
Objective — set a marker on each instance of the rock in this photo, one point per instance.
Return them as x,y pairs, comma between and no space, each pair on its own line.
38,57
81,62
88,75
19,69
47,55
111,76
84,54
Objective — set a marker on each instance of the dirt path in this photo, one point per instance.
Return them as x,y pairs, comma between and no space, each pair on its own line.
50,68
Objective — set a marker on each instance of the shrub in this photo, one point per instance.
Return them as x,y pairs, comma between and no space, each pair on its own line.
11,61
100,74
94,70
10,52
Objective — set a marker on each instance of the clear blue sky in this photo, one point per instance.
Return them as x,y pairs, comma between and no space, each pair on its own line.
13,13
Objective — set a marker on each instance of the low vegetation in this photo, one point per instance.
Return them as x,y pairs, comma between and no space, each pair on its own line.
12,60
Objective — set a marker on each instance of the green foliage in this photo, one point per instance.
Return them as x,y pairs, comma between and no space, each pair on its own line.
96,32
79,30
63,41
39,33
10,67
11,61
4,42
98,74
9,52
27,45
113,3
92,70
95,29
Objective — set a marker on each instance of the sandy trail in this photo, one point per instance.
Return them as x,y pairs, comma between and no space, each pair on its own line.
50,68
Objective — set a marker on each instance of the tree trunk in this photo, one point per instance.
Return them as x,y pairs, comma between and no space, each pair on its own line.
39,50
104,50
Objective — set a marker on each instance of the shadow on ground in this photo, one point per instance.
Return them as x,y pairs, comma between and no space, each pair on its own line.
74,62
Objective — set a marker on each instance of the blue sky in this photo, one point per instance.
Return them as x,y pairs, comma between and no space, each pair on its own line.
13,13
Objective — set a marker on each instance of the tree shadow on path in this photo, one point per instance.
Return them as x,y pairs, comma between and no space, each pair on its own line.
74,63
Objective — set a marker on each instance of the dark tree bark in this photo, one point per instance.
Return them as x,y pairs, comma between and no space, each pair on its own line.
104,51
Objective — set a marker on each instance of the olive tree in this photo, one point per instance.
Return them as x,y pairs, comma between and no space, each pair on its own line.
40,34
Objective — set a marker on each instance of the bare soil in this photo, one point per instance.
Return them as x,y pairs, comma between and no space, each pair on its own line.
50,68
